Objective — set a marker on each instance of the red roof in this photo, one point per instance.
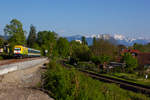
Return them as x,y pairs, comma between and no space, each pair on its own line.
131,51
134,51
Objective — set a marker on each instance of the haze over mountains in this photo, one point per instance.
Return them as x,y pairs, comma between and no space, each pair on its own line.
116,38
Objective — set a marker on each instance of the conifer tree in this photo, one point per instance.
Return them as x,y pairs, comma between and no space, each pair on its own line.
94,40
84,40
31,41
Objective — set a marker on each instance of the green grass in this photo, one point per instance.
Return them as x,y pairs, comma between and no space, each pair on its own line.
130,77
70,84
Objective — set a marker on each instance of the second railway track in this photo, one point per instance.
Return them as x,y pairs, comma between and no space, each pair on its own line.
123,84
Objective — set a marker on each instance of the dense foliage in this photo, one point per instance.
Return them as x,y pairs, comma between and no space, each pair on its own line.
71,85
142,48
47,41
100,59
80,51
15,32
31,41
62,47
131,62
103,48
84,40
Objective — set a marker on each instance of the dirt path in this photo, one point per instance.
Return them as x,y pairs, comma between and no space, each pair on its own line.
13,86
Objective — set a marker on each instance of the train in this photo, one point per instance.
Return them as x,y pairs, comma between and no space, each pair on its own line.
22,52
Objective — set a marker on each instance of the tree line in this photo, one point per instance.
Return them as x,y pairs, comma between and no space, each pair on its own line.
42,40
100,52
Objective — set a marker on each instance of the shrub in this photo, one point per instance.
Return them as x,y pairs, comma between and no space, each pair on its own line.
100,59
118,69
96,60
82,53
1,58
73,61
131,62
87,66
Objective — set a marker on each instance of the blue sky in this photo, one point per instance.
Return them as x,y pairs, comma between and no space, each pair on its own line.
70,17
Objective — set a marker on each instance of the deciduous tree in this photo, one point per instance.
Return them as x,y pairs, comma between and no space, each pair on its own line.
80,51
62,47
47,41
15,32
103,48
131,62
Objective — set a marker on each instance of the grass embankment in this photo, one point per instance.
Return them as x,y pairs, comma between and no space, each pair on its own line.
70,84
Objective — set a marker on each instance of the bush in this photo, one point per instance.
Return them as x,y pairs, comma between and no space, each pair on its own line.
73,61
100,59
72,85
61,82
1,58
118,69
87,66
131,62
96,59
82,52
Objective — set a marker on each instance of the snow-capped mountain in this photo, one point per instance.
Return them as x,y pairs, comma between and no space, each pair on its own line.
130,41
116,38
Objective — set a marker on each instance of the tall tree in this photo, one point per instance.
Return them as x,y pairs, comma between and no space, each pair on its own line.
94,40
84,40
104,48
47,41
31,41
79,51
15,33
63,47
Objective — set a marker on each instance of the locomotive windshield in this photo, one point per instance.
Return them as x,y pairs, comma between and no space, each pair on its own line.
17,49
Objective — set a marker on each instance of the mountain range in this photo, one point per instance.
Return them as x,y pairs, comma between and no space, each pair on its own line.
116,38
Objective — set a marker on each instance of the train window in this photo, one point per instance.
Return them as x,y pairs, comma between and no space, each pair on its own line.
30,50
33,51
17,49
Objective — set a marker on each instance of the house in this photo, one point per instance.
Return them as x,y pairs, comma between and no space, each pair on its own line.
142,57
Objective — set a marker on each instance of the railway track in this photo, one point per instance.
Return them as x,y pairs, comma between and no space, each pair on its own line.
123,84
10,61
